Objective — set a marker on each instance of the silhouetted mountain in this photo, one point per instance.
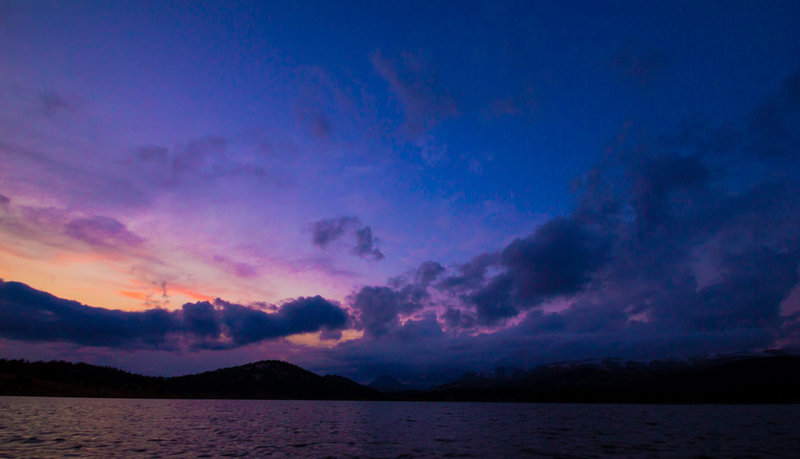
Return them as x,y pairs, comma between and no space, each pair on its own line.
57,378
264,380
386,383
269,379
727,379
769,378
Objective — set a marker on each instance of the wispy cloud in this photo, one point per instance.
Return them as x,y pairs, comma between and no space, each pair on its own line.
415,82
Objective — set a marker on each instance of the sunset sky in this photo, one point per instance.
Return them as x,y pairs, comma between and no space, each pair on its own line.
409,188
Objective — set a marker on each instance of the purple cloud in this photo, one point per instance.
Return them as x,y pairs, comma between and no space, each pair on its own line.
328,230
367,245
239,269
102,231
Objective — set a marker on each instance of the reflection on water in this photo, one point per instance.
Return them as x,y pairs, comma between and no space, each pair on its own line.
209,428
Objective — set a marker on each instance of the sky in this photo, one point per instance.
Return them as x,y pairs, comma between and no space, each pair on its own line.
404,188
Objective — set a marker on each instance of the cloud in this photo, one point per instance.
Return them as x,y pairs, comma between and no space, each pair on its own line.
657,178
328,230
470,274
415,82
224,325
31,315
32,172
102,231
669,253
332,106
557,260
64,229
196,162
367,245
380,308
238,268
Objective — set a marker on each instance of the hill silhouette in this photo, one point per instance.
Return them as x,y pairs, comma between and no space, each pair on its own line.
771,378
268,379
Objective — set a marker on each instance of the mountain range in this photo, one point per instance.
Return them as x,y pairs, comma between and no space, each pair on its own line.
771,377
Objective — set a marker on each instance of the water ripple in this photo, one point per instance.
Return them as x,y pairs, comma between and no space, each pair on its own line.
45,427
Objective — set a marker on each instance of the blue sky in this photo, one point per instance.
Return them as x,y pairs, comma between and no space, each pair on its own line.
159,154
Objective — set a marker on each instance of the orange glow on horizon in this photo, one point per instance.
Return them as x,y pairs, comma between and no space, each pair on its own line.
180,290
135,295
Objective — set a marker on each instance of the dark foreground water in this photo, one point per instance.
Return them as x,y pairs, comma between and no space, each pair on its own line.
45,427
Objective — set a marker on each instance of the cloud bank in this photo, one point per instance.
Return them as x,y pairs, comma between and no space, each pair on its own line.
27,314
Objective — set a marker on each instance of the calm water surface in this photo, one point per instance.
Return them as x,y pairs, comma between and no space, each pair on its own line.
45,427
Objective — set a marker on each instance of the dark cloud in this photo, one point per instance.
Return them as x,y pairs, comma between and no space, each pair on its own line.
31,315
379,307
223,325
4,200
469,274
367,245
769,132
558,259
656,180
751,292
427,273
102,231
326,231
671,252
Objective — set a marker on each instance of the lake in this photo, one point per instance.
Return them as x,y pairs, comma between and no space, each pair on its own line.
42,426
